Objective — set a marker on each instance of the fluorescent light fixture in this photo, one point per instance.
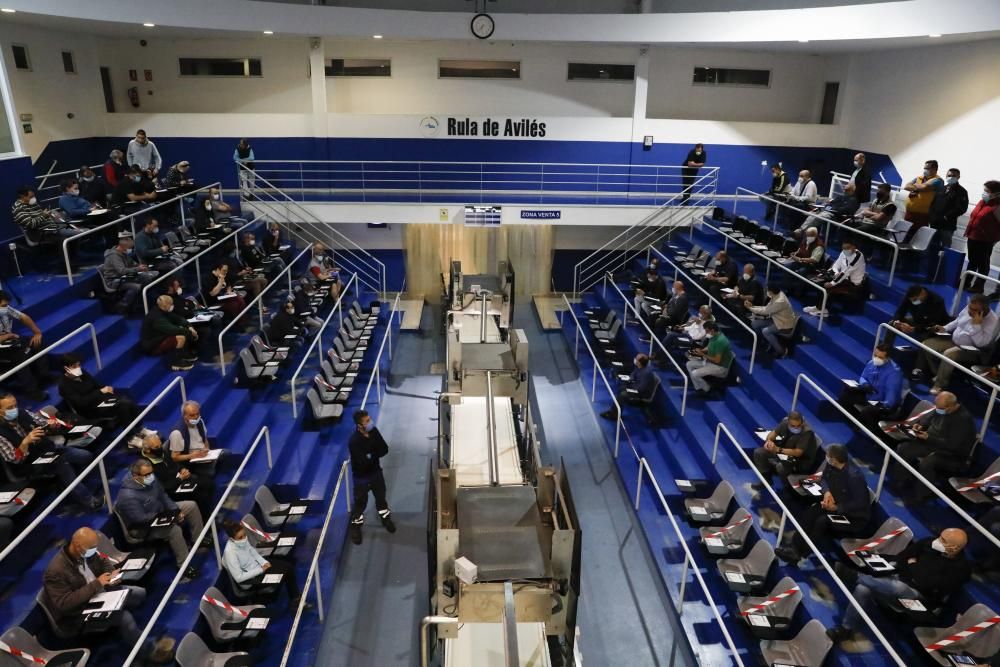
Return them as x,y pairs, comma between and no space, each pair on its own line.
268,32
376,36
803,41
6,10
934,35
149,25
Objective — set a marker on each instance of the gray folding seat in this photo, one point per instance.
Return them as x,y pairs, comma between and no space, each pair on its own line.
321,410
713,508
970,488
342,354
19,639
339,375
18,502
329,393
611,333
192,652
983,644
275,514
731,538
769,617
107,549
266,543
225,625
256,370
745,575
890,539
807,649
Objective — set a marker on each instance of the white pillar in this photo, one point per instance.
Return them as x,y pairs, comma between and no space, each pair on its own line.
641,92
317,82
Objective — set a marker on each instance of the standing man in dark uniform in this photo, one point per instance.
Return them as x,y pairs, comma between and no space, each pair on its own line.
694,161
367,446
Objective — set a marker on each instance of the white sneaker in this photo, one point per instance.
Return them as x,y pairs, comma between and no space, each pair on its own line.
811,310
822,313
147,431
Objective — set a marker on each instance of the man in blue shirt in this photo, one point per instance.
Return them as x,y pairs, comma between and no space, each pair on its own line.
637,388
845,496
877,394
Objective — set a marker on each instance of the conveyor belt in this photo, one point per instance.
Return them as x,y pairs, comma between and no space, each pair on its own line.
470,442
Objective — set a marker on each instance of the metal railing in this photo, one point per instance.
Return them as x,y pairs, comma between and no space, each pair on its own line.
961,282
72,334
652,337
826,221
260,306
739,320
313,573
889,455
98,462
318,342
786,515
653,228
993,387
838,180
474,182
42,191
771,261
131,218
210,526
202,254
282,206
386,338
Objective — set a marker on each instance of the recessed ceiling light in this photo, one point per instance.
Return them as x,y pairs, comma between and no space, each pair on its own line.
268,32
5,10
934,35
149,25
376,36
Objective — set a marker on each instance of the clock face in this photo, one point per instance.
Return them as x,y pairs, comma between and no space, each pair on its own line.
482,26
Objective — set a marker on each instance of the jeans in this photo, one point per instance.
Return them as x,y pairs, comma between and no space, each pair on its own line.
699,369
770,333
865,588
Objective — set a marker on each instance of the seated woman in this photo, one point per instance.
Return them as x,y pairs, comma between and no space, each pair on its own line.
220,293
247,567
324,271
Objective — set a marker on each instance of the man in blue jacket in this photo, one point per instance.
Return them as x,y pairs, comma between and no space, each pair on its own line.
876,395
76,207
142,498
638,387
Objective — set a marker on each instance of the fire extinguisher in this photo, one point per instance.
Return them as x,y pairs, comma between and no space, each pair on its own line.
133,96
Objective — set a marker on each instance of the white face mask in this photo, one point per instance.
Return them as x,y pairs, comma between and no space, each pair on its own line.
75,372
215,197
938,545
926,173
951,180
74,191
986,197
857,164
878,361
34,200
747,276
849,254
251,243
171,308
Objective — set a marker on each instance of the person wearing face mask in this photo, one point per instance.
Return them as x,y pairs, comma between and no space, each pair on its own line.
748,289
791,448
131,193
23,438
982,233
244,158
367,448
189,442
690,333
845,279
115,169
142,153
217,291
861,178
811,253
247,567
70,201
92,188
941,444
780,187
931,568
274,245
947,208
221,213
175,477
638,387
840,208
675,312
874,219
920,311
16,349
651,286
150,249
324,270
253,255
922,191
694,161
91,400
39,225
123,275
284,324
142,498
876,395
166,332
179,176
845,493
723,276
713,360
804,191
78,572
966,340
773,320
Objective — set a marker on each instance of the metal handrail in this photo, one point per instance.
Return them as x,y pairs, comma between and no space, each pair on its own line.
257,300
209,526
196,258
375,373
98,462
828,222
380,266
313,567
688,558
42,178
961,282
318,340
976,377
619,425
737,318
652,337
130,217
770,261
846,177
425,624
38,355
889,454
787,514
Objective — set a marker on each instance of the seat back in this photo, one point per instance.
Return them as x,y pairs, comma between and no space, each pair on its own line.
652,394
921,406
125,531
106,545
738,533
614,329
265,500
758,561
785,607
249,363
811,645
719,500
319,409
40,600
922,239
192,652
328,373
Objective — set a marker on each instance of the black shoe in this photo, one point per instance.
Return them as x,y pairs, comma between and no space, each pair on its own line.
389,525
37,395
208,542
191,573
355,532
610,415
839,633
757,486
916,374
95,503
788,554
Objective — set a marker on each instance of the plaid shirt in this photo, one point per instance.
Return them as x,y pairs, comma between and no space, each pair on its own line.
9,450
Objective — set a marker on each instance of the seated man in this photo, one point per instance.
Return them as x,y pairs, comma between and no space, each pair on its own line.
941,444
652,286
674,313
89,399
844,280
247,567
965,340
188,441
255,257
845,494
748,288
303,306
323,269
187,308
724,275
690,333
842,207
92,188
713,360
879,213
774,319
153,251
790,449
38,224
641,381
283,324
245,275
779,189
131,192
23,438
933,569
811,253
123,275
878,392
273,244
76,574
14,349
804,192
174,477
142,498
178,176
920,311
70,201
220,212
164,332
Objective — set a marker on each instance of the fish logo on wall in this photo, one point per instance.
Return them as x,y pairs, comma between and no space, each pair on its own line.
429,126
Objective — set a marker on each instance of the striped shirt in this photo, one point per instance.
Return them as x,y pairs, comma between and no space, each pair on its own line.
30,216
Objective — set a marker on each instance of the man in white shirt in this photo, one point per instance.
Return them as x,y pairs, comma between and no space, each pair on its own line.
774,318
804,193
966,340
846,281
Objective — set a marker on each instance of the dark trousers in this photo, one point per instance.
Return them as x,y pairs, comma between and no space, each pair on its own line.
688,175
931,464
287,572
376,485
817,527
978,253
855,401
31,377
123,411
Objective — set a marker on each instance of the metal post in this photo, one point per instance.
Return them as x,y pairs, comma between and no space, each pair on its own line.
131,220
638,486
215,540
593,386
989,413
881,476
378,384
680,593
267,445
618,432
781,528
715,447
319,595
104,483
